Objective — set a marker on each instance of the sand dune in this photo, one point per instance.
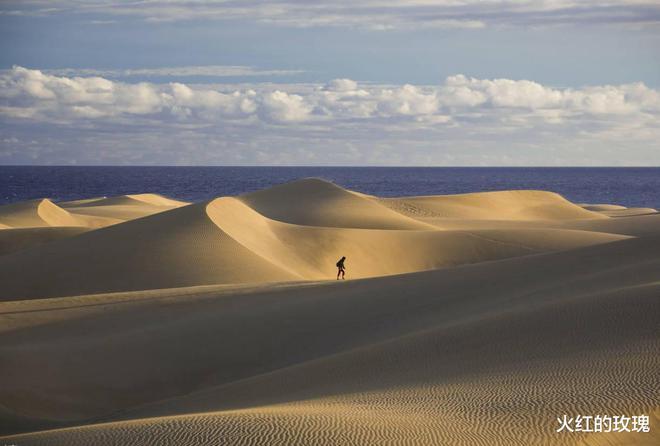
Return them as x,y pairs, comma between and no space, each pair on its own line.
312,251
629,212
40,221
177,248
502,205
478,320
126,200
612,210
226,241
121,208
314,202
36,213
92,213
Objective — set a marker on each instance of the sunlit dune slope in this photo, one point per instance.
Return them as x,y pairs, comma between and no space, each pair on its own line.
122,208
130,200
315,202
91,213
41,221
501,205
36,213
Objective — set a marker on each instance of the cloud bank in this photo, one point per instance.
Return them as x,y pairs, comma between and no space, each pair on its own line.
372,14
299,123
33,94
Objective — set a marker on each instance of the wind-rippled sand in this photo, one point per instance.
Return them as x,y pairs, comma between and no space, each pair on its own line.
473,319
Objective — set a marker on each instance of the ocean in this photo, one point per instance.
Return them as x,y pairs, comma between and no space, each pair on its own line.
632,187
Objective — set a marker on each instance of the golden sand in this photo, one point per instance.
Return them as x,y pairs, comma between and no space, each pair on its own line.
474,319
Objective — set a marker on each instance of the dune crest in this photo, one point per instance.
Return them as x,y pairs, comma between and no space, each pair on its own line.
105,211
135,199
316,202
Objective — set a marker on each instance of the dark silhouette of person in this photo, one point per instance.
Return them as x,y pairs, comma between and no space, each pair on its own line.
340,268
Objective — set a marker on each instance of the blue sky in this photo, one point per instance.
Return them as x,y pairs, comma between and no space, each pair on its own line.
428,82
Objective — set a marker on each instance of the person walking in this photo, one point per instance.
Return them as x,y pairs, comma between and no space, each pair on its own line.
341,270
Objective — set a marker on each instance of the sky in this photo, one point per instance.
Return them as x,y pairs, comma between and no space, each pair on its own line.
330,82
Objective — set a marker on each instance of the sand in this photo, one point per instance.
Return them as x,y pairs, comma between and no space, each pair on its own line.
221,322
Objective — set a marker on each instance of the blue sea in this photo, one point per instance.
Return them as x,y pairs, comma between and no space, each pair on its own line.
625,186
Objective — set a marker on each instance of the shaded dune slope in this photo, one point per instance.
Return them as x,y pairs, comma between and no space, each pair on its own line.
12,240
429,349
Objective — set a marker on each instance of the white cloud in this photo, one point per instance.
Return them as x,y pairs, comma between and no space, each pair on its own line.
407,100
284,107
341,85
460,113
42,96
378,15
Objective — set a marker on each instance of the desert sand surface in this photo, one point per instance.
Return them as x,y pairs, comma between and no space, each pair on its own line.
472,319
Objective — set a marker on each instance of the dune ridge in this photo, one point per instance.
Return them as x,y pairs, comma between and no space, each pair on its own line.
122,208
468,320
315,202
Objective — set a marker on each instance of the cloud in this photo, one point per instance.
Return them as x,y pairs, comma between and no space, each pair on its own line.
284,107
341,85
258,120
32,93
380,15
190,71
